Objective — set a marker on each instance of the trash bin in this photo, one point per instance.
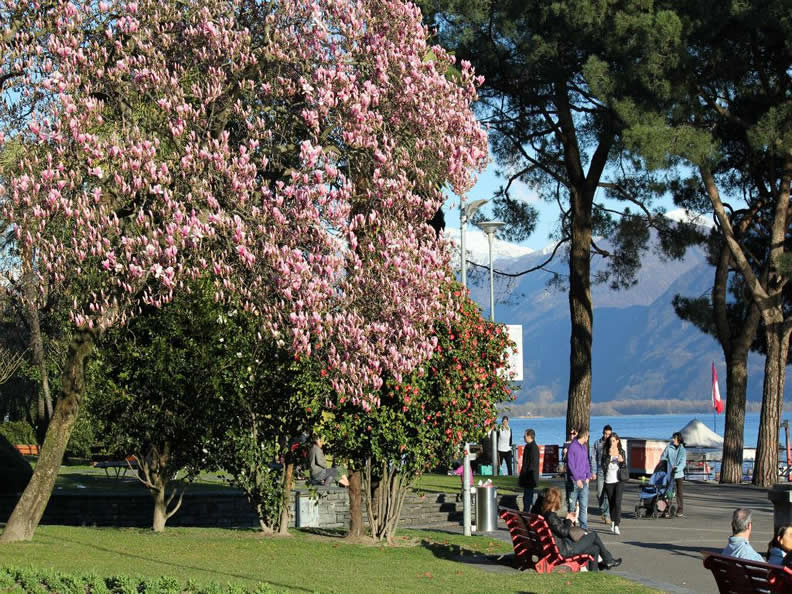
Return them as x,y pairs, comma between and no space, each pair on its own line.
486,508
781,496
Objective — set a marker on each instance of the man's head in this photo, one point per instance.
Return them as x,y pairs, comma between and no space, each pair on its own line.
572,434
583,435
741,522
530,435
505,421
606,432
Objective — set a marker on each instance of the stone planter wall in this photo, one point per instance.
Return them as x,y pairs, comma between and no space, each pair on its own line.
228,508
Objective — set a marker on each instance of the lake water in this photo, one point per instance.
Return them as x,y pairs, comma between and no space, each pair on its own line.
551,430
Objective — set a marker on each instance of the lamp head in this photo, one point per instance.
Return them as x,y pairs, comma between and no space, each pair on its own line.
470,208
490,227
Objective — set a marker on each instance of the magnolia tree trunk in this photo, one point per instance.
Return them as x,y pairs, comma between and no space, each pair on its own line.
160,508
766,464
736,385
288,479
155,472
44,410
356,528
30,507
384,502
580,310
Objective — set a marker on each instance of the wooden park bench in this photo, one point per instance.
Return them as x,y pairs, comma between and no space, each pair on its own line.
740,576
534,545
28,450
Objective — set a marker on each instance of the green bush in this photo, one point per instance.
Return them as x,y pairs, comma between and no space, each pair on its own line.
18,433
15,579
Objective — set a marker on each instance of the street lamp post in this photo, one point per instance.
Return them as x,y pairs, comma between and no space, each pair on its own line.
490,227
465,212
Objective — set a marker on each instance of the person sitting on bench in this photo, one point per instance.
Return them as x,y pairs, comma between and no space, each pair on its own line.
741,533
320,473
589,544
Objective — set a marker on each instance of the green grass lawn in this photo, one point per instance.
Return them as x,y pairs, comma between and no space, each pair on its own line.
442,483
91,477
423,561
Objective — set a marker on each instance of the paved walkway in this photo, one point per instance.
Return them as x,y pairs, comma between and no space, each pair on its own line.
665,554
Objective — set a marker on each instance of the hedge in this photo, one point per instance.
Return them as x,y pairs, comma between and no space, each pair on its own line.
15,580
18,432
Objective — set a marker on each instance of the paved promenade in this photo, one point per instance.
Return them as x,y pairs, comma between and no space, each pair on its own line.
665,554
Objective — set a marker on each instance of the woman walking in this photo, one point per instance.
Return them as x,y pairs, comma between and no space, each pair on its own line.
676,456
613,459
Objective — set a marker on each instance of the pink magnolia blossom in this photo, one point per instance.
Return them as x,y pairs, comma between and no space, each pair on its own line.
291,150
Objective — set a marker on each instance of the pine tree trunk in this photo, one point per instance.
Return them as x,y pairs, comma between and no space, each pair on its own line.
356,527
288,479
766,463
733,436
580,310
30,507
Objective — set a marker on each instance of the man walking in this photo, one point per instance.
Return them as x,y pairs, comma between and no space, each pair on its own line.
578,476
602,498
529,473
505,445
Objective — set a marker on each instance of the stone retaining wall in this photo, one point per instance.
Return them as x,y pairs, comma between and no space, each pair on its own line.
227,508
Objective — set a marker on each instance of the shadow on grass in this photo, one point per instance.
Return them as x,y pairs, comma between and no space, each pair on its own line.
210,572
494,562
328,532
682,550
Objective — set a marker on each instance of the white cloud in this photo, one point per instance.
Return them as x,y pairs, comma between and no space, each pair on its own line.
522,192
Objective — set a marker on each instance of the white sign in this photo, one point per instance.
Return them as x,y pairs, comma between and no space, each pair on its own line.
515,363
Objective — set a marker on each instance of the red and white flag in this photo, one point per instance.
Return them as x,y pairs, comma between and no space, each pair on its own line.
717,403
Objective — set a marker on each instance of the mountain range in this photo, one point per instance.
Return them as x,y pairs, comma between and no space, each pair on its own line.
645,358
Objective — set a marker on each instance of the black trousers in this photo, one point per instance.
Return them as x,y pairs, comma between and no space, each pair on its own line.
591,545
615,492
678,485
505,456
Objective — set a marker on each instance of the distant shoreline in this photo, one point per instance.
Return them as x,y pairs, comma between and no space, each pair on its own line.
618,408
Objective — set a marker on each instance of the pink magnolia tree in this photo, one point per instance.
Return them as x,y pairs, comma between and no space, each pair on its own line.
290,150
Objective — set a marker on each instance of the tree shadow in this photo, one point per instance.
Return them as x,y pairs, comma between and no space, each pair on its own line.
328,532
675,549
500,562
212,572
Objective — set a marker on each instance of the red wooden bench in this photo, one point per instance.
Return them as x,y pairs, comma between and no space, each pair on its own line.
534,545
28,450
739,576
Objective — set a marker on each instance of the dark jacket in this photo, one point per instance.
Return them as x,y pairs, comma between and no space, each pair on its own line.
529,473
605,460
560,529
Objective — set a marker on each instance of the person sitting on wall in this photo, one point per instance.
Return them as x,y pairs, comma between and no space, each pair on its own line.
320,473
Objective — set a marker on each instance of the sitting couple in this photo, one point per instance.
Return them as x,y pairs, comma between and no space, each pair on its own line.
739,542
590,544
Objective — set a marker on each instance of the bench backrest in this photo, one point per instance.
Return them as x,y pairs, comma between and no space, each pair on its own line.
531,534
741,575
27,450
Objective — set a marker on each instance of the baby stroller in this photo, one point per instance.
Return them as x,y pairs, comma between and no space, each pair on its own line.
656,498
